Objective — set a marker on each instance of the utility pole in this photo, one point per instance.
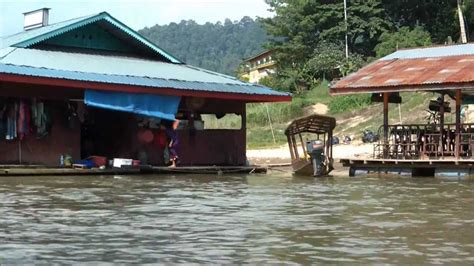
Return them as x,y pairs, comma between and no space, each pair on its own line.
462,23
345,22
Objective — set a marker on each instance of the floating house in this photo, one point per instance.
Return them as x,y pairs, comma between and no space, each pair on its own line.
429,149
93,86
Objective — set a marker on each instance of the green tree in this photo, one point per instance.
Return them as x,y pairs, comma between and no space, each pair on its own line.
215,46
438,17
403,38
468,10
308,37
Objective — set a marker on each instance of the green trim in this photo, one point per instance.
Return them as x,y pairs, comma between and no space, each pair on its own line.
102,16
141,39
91,36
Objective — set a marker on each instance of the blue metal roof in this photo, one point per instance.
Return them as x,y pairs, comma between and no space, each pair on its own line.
111,65
22,36
31,37
243,88
440,51
17,58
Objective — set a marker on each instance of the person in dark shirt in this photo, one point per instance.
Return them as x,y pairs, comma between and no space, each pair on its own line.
173,144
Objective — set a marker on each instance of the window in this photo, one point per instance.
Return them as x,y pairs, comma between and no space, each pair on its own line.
222,121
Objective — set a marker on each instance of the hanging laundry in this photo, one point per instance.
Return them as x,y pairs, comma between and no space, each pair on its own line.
22,120
41,118
11,121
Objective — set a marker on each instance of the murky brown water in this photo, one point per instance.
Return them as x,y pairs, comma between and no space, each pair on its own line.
235,219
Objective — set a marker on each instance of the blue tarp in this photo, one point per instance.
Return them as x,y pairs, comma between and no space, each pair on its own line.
160,106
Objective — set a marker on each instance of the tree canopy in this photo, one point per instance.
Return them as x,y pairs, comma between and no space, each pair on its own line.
215,46
309,35
403,38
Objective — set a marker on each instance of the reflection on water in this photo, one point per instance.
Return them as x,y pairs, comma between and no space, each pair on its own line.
235,219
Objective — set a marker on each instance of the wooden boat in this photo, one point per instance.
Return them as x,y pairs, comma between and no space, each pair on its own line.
315,134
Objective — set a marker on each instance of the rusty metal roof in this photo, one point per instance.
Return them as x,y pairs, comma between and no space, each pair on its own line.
437,68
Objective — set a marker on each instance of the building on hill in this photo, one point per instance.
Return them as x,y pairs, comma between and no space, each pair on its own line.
259,66
93,86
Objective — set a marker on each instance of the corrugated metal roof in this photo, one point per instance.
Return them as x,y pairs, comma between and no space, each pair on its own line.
16,58
439,51
112,65
417,73
20,37
243,88
31,37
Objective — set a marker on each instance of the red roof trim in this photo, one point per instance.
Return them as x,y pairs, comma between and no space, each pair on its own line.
410,88
77,84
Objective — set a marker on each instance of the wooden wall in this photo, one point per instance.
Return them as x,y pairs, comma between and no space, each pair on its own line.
116,133
47,150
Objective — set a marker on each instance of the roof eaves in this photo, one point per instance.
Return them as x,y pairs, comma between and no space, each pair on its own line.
244,88
257,55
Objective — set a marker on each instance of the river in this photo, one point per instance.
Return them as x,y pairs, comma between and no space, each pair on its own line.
235,219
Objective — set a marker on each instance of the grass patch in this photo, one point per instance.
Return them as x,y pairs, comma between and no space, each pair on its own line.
343,108
261,137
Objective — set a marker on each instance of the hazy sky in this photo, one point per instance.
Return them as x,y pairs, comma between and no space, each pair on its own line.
135,13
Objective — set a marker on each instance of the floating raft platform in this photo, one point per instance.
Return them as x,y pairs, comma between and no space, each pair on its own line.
211,170
38,170
415,168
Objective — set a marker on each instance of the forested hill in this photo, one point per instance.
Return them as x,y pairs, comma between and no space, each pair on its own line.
215,46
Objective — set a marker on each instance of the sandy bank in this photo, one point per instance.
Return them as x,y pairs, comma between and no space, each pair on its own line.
282,154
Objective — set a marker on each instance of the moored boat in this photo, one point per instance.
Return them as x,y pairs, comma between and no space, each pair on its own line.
313,155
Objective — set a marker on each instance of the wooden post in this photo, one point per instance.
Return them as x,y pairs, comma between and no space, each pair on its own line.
441,125
304,146
295,146
385,125
457,144
330,143
290,145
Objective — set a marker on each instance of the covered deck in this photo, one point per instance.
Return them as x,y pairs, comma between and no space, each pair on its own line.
426,147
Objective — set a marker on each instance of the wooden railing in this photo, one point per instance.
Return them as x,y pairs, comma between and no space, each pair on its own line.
419,141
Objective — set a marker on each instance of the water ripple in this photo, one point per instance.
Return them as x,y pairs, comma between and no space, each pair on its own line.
235,219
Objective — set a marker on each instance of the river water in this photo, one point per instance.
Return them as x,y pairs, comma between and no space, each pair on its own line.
235,219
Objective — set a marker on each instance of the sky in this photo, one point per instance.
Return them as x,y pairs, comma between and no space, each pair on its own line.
137,14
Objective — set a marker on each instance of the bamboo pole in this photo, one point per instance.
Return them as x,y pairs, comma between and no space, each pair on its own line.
270,123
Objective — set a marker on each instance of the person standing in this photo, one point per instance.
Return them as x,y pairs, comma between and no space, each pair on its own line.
173,145
464,114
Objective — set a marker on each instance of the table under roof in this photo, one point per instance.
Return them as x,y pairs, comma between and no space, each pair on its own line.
446,70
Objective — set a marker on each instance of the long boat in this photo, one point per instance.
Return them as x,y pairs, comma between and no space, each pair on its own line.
313,155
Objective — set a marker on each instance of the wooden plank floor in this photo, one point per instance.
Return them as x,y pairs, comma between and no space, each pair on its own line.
37,170
19,171
410,163
210,169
